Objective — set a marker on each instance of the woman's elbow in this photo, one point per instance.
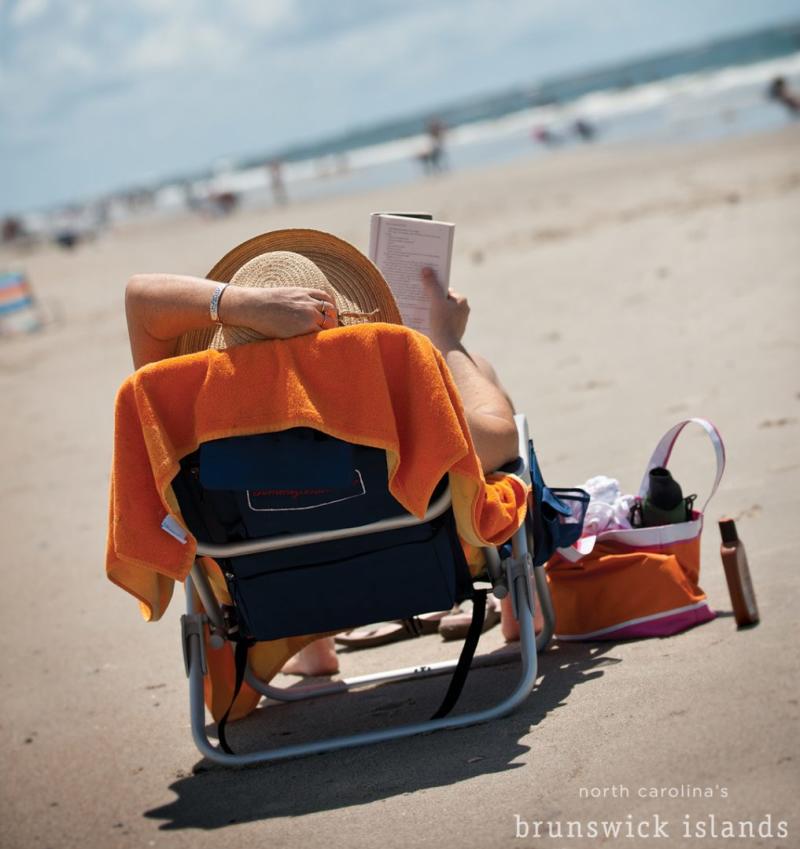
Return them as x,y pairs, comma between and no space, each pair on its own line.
137,289
496,442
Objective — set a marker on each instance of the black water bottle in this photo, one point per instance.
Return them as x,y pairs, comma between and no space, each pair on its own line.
664,503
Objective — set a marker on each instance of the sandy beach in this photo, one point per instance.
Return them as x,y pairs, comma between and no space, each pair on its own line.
618,290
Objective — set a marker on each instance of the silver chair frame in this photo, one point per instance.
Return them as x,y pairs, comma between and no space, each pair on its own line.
513,575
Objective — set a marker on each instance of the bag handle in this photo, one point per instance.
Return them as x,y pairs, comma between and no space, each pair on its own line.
660,457
662,452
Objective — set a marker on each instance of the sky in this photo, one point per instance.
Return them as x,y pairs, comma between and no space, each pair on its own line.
97,96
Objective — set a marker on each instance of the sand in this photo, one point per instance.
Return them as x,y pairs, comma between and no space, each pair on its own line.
617,291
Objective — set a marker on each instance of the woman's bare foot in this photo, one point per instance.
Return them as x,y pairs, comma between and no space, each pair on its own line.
317,658
510,626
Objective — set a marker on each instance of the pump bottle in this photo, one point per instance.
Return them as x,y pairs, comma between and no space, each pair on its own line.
737,574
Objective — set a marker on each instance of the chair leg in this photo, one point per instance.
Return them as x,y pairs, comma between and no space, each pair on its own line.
546,604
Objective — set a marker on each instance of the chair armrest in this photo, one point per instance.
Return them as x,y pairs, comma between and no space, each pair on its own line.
521,466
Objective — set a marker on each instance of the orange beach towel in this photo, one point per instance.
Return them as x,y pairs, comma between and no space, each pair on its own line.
375,384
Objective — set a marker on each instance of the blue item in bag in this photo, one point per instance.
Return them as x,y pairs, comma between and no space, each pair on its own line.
555,523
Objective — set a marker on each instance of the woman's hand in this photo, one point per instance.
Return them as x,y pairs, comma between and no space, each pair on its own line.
449,313
280,312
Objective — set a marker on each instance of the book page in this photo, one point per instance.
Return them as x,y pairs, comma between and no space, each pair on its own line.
401,247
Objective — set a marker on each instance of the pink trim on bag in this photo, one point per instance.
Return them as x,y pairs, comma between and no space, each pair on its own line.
637,539
659,536
658,625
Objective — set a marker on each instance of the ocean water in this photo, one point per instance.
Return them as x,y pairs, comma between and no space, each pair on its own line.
703,92
686,107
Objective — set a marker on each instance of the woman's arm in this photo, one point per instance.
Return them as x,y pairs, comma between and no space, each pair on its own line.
489,412
162,307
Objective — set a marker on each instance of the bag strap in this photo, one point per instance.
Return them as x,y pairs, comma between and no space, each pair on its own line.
662,452
240,659
465,658
450,698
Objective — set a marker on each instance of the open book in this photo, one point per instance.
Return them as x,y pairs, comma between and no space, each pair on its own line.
401,246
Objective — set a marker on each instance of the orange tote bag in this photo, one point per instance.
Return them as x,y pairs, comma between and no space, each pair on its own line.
637,582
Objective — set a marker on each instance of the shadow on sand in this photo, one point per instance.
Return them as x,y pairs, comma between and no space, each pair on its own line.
215,797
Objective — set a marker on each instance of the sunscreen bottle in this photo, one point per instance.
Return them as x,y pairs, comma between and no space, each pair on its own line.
737,574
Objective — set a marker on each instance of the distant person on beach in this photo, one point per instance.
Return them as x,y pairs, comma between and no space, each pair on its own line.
434,159
161,308
584,130
12,229
72,229
67,238
545,136
780,91
276,182
224,203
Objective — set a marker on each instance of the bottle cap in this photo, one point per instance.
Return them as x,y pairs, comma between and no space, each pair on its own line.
727,528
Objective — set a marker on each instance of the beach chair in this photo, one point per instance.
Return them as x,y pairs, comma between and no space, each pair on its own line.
310,541
19,310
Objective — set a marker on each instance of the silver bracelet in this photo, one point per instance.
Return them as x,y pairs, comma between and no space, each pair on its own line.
213,307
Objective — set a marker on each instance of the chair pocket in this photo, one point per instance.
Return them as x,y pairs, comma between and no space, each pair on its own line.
394,580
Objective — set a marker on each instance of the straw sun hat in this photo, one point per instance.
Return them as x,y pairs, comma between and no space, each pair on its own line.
308,258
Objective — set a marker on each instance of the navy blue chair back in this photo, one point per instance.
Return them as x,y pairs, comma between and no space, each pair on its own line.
299,481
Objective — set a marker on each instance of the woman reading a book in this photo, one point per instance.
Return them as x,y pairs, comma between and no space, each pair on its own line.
162,308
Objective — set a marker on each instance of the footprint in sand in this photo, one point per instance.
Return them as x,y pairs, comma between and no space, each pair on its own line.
550,234
782,422
749,512
595,383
